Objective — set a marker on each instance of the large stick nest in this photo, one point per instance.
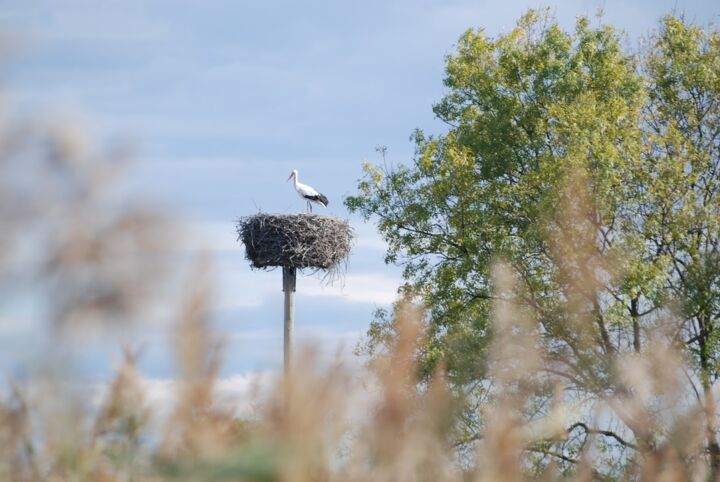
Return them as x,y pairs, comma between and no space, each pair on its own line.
295,240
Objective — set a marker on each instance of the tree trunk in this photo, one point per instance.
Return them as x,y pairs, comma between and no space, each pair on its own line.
635,315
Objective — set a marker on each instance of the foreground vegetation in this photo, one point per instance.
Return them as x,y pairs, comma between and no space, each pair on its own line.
559,319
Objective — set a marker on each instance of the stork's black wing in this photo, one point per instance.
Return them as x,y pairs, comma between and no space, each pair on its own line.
319,198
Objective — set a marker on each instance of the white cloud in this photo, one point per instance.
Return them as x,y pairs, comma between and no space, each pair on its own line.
240,394
374,288
237,393
244,288
218,237
366,236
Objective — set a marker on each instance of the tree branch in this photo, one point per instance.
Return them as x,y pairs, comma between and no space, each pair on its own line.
606,433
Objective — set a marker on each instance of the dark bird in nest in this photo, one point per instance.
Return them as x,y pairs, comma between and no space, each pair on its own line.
309,194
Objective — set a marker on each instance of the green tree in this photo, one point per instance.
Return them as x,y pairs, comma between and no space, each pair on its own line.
680,188
594,173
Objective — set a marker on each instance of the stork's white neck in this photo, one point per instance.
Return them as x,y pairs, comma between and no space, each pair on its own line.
295,179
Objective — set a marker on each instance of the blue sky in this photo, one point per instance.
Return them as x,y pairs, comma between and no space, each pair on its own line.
222,99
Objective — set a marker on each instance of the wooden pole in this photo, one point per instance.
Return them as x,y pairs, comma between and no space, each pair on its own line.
289,279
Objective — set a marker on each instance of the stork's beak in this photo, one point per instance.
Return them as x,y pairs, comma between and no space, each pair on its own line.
289,177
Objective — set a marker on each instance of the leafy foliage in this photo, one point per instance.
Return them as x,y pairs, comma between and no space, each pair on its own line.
594,173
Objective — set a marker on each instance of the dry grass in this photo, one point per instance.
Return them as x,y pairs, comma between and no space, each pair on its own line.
313,428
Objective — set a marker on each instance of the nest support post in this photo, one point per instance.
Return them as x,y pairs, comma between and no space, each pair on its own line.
295,242
289,281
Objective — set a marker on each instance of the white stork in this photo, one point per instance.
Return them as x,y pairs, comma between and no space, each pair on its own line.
306,192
